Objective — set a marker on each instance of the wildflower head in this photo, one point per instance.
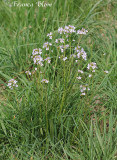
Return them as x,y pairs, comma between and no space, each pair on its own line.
82,31
12,83
46,45
81,53
92,66
83,89
37,51
49,35
48,60
83,94
63,47
106,72
45,81
90,75
60,30
65,58
79,78
66,29
38,60
73,55
28,72
60,40
80,71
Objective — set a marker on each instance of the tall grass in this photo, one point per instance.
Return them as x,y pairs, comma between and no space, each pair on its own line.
53,121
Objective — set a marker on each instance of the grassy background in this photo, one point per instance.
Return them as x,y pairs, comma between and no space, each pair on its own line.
86,128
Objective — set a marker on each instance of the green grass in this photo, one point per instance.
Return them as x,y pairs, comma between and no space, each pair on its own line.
53,121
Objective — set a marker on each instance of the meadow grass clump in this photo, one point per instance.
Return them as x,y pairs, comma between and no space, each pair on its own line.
53,94
58,92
